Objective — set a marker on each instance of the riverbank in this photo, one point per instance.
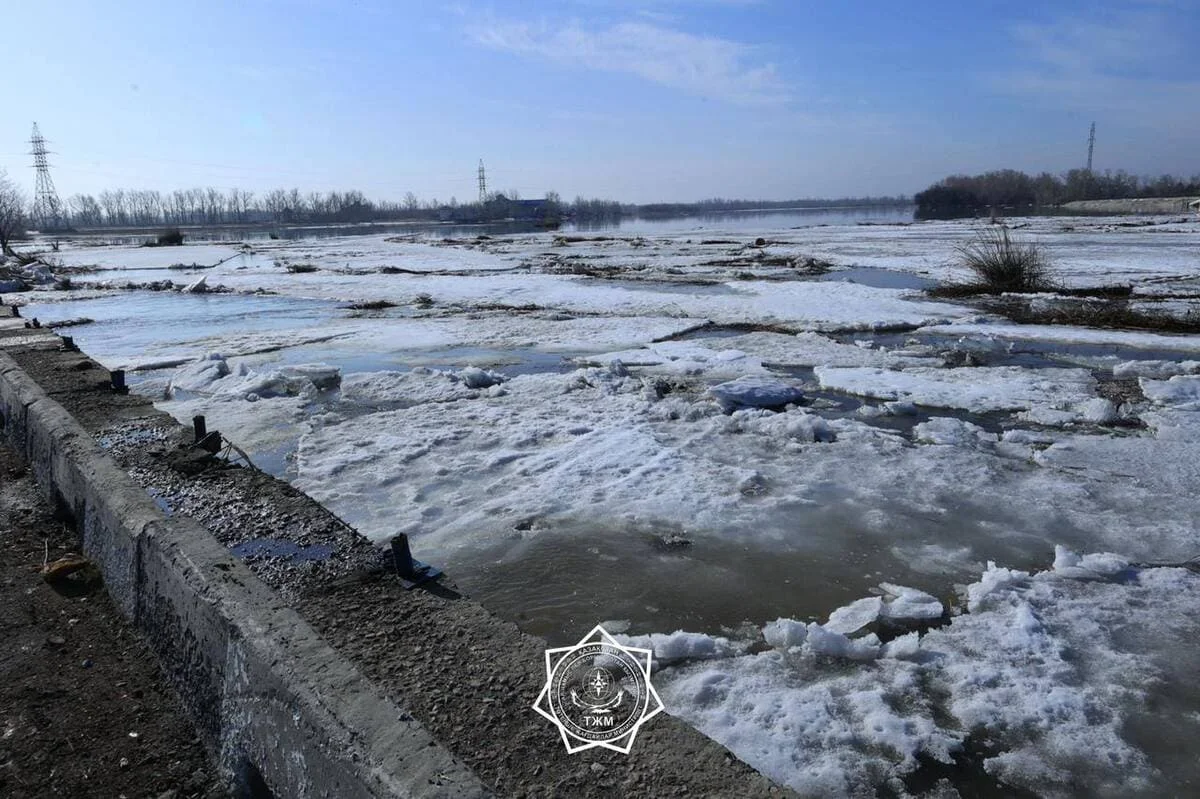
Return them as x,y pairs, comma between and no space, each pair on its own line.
423,692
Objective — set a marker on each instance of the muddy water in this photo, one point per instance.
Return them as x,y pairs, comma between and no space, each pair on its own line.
560,579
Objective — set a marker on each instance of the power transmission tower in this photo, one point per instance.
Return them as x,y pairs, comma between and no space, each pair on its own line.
47,210
1091,146
483,195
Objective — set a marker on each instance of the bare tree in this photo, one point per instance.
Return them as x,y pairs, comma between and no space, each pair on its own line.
12,213
85,211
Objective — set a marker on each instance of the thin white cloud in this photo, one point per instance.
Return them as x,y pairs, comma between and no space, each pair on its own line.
1122,64
703,65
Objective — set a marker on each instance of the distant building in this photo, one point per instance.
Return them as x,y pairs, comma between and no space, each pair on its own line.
538,211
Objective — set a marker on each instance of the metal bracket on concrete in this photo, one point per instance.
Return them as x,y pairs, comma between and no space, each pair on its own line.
117,379
411,572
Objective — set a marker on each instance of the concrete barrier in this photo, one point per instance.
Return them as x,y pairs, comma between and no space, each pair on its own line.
1136,205
284,713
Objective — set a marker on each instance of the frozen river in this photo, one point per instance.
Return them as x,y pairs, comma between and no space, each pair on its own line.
675,429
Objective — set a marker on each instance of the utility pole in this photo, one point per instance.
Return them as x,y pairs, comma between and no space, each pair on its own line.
47,210
483,195
1091,147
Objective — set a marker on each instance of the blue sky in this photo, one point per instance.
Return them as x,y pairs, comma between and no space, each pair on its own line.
638,100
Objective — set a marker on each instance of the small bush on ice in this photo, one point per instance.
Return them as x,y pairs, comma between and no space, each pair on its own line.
1002,263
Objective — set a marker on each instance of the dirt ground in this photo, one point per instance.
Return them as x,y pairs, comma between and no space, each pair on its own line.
83,709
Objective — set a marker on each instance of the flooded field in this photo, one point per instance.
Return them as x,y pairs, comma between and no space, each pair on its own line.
735,451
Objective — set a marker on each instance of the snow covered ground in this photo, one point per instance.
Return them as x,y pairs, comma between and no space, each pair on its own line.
687,431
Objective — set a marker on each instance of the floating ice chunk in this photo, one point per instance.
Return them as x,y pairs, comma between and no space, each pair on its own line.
979,390
1155,369
823,641
474,377
756,392
418,386
906,603
1180,390
1065,558
199,375
680,645
904,647
853,617
302,380
1097,410
956,432
197,287
1094,566
785,633
1026,437
991,582
901,408
1173,424
322,375
797,425
1050,417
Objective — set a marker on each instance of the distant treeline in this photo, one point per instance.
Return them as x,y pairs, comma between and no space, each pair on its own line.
718,205
125,208
208,206
1008,190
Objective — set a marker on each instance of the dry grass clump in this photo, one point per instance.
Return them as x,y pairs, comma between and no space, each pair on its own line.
1002,263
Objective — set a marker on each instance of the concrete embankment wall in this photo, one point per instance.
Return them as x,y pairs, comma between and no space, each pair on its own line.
285,713
1148,205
